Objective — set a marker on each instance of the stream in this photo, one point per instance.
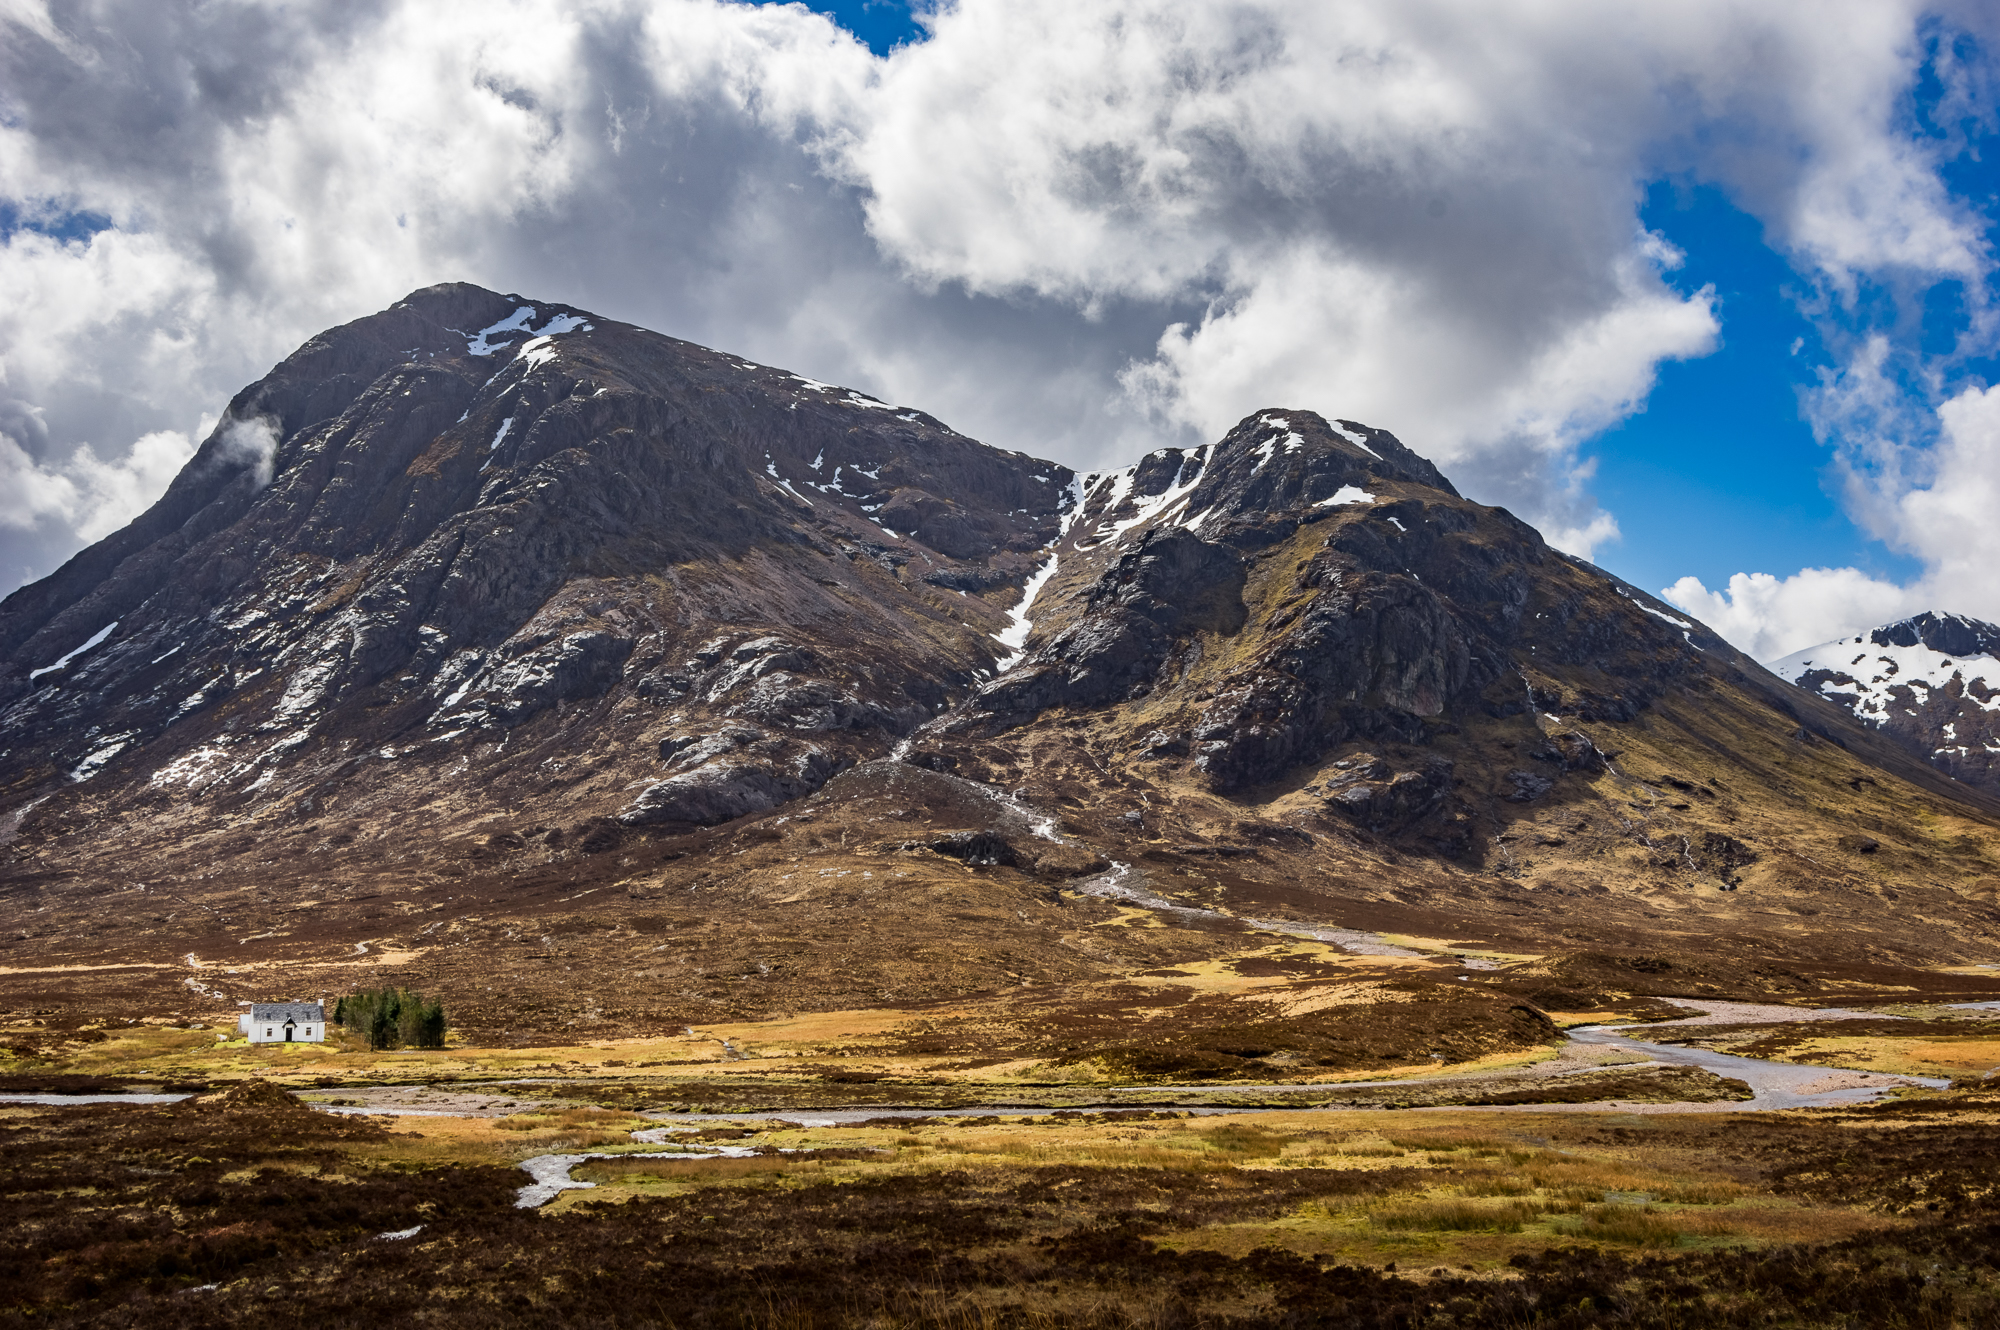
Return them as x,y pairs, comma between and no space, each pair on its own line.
1115,885
551,1172
1777,1084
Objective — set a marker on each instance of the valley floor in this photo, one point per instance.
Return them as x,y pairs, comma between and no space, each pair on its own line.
723,1188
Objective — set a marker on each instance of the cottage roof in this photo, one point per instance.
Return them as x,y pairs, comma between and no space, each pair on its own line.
277,1013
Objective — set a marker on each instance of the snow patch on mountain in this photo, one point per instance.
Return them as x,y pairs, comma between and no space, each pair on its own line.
304,689
482,343
771,470
1358,440
1664,617
193,769
98,756
1015,635
1862,674
536,352
95,639
537,348
1282,434
1169,503
1661,615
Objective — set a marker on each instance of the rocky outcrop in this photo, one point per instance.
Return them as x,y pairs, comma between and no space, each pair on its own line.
1303,585
721,791
1171,586
1366,790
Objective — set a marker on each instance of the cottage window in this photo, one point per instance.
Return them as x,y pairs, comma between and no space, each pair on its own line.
267,1032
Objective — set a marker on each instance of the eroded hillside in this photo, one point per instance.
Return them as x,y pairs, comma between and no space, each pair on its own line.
593,678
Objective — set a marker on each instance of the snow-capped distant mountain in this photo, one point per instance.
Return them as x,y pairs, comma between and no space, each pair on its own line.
1932,682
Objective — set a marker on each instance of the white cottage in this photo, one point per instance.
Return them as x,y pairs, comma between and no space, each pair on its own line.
284,1022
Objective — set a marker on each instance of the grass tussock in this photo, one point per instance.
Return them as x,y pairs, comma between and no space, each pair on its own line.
1445,1142
1365,1145
1244,1142
1497,1184
572,1128
570,1119
1707,1192
1456,1217
1191,1158
1633,1226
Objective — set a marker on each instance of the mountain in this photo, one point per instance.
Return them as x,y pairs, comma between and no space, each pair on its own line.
412,546
1931,682
604,681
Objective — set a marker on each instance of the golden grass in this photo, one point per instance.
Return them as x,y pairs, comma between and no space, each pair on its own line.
1469,1191
1448,1141
571,1119
1457,1217
1100,1154
1243,1140
1972,1055
1497,1184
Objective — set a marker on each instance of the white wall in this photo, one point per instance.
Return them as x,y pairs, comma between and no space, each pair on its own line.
273,1032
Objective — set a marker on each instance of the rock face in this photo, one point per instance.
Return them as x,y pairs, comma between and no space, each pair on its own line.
1930,682
481,606
492,534
1305,589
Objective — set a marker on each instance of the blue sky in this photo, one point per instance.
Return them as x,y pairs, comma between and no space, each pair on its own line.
1721,473
882,24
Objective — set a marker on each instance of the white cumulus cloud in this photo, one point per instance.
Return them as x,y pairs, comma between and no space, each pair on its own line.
1769,616
1944,516
82,491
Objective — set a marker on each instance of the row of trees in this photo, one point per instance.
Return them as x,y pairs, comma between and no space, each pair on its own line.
392,1018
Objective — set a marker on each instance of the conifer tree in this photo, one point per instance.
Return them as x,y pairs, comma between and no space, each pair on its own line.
392,1018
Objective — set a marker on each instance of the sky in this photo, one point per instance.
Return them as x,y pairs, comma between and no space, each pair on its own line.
1702,289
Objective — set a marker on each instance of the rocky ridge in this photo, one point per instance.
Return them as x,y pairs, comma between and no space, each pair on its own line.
1307,615
413,545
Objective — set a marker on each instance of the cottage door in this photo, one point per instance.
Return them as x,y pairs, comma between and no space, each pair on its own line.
288,1032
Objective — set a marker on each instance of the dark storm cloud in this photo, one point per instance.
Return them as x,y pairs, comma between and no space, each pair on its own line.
1078,229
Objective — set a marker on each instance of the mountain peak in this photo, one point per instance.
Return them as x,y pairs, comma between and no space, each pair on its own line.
473,513
1950,634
